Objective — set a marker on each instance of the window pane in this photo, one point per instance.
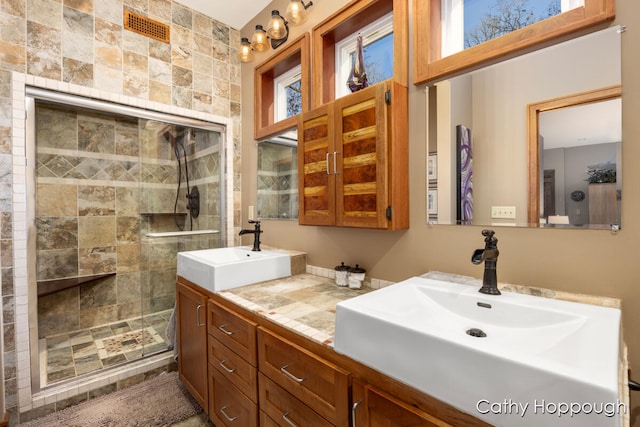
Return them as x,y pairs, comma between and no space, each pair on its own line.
294,98
487,19
378,59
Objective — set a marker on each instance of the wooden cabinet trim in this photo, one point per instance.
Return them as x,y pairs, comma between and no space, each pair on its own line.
295,53
346,21
428,65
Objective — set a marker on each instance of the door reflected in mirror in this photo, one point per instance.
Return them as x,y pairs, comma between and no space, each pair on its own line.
278,177
575,181
493,104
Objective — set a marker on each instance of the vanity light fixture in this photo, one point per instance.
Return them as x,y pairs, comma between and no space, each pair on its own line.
259,41
277,31
245,53
296,12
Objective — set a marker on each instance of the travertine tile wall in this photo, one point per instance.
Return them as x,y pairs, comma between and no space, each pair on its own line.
81,44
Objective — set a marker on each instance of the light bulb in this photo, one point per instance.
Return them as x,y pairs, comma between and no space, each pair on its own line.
276,29
245,53
296,12
259,39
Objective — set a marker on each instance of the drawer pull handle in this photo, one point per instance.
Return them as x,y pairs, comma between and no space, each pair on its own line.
223,329
285,417
230,370
230,419
290,375
198,324
353,411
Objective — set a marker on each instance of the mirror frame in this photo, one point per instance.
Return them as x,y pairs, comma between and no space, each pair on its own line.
533,143
428,62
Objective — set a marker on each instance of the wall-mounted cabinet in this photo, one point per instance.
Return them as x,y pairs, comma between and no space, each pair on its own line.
266,120
432,34
353,160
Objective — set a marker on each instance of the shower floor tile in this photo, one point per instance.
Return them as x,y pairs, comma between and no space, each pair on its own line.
69,355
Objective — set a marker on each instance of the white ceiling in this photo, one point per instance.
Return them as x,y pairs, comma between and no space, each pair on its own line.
596,123
235,13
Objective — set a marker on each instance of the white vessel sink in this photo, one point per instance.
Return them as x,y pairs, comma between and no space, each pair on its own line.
537,352
227,268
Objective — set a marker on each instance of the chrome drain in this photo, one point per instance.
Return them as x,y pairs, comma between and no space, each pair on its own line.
476,332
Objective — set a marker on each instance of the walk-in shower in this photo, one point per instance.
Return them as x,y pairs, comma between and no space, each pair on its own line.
118,192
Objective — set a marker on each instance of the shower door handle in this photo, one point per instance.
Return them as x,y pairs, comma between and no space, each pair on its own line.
198,324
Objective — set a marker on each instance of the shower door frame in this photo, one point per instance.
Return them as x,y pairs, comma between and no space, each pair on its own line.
33,94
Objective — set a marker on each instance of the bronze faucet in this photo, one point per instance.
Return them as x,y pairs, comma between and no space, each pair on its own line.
256,234
490,257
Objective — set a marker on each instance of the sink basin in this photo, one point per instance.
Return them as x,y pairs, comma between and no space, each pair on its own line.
511,360
227,268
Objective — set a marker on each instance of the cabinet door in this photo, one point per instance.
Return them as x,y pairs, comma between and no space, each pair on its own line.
374,408
362,145
192,342
316,159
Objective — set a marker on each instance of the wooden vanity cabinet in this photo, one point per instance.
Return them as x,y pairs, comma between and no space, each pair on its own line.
191,311
303,376
233,372
374,408
353,160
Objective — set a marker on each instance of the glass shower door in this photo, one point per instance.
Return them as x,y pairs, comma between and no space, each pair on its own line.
180,210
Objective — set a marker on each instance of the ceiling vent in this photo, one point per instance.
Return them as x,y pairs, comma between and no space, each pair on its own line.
145,26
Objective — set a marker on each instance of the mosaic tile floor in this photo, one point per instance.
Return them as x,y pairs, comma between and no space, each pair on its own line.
67,356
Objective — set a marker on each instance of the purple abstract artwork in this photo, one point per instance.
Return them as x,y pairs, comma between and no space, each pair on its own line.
464,189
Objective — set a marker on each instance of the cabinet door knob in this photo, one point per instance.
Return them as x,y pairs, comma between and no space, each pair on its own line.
290,375
230,370
353,412
285,417
230,419
198,324
223,329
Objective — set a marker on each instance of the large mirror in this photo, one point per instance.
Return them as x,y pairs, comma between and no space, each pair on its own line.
479,162
278,176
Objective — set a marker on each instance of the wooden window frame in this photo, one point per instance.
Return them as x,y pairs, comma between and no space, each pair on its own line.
345,22
296,53
429,66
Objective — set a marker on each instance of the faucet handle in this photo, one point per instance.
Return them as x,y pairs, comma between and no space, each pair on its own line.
490,241
254,221
488,233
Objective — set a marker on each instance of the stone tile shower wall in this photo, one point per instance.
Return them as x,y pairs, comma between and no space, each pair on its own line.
94,197
82,43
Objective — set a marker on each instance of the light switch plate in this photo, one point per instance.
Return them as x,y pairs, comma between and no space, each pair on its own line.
506,212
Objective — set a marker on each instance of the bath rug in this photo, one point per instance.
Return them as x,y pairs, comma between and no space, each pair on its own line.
160,401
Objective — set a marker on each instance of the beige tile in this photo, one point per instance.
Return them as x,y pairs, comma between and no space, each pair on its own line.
56,200
96,231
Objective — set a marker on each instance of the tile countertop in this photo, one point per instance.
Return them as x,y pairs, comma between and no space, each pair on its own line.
304,303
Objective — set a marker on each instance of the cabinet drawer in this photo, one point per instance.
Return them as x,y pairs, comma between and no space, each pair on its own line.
233,330
227,405
234,368
316,382
282,409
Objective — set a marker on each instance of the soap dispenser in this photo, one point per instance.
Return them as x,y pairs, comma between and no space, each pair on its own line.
342,274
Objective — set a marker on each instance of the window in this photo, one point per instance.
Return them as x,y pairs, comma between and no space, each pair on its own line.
440,49
288,94
467,23
377,39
